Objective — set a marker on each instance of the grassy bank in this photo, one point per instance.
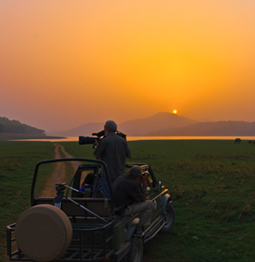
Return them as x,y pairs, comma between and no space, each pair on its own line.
211,183
17,162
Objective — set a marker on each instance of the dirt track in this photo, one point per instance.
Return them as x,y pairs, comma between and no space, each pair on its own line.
59,173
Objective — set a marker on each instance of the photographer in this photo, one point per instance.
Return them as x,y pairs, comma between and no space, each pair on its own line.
113,150
130,197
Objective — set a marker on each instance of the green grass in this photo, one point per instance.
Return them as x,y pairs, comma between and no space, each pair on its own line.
17,163
211,184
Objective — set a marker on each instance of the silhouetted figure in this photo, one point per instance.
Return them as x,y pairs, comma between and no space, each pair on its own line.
113,150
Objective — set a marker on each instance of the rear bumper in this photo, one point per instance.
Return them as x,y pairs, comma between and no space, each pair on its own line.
87,245
120,254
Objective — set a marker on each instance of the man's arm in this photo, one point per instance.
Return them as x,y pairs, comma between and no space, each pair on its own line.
148,180
128,151
98,151
96,145
144,188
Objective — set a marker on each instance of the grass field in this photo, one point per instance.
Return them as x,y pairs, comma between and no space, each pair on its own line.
212,186
17,163
211,183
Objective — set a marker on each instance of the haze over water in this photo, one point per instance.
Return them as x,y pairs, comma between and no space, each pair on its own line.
139,138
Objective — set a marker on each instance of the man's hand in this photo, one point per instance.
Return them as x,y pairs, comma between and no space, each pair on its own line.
96,143
145,181
145,178
148,182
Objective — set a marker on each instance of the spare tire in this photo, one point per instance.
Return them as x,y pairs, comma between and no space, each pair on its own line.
43,232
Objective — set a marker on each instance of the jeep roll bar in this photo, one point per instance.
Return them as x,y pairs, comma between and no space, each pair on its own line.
102,163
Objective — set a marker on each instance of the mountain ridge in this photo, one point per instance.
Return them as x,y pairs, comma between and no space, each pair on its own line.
161,120
160,124
136,127
82,130
218,128
15,127
168,124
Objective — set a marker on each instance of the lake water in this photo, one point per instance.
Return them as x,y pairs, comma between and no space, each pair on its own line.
137,138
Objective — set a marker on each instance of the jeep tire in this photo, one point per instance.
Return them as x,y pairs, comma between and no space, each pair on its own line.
169,217
136,250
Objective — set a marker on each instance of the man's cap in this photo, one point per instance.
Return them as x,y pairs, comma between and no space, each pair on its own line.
112,125
134,171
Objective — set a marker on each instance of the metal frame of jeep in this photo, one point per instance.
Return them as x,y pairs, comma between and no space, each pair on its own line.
97,233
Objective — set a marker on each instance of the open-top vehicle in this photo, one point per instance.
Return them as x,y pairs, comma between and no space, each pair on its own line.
74,225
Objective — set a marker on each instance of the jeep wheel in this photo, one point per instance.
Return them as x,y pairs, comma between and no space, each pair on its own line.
169,218
136,250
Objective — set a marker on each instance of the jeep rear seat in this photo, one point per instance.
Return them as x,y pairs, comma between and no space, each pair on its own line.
101,207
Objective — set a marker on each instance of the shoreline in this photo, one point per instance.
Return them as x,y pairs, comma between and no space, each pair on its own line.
132,138
14,136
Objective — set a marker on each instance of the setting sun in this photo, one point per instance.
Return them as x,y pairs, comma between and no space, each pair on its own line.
175,111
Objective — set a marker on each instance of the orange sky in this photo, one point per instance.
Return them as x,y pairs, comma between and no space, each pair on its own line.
64,63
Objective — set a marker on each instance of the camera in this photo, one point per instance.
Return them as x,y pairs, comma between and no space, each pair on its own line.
146,173
86,140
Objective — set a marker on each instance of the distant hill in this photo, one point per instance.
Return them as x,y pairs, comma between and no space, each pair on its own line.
167,124
221,128
15,127
138,127
83,130
162,120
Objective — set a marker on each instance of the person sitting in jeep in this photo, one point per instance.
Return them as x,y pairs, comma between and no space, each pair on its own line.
88,183
129,197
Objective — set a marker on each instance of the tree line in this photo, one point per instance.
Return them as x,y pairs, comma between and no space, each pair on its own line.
14,126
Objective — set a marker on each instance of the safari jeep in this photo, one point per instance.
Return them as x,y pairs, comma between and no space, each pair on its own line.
66,224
